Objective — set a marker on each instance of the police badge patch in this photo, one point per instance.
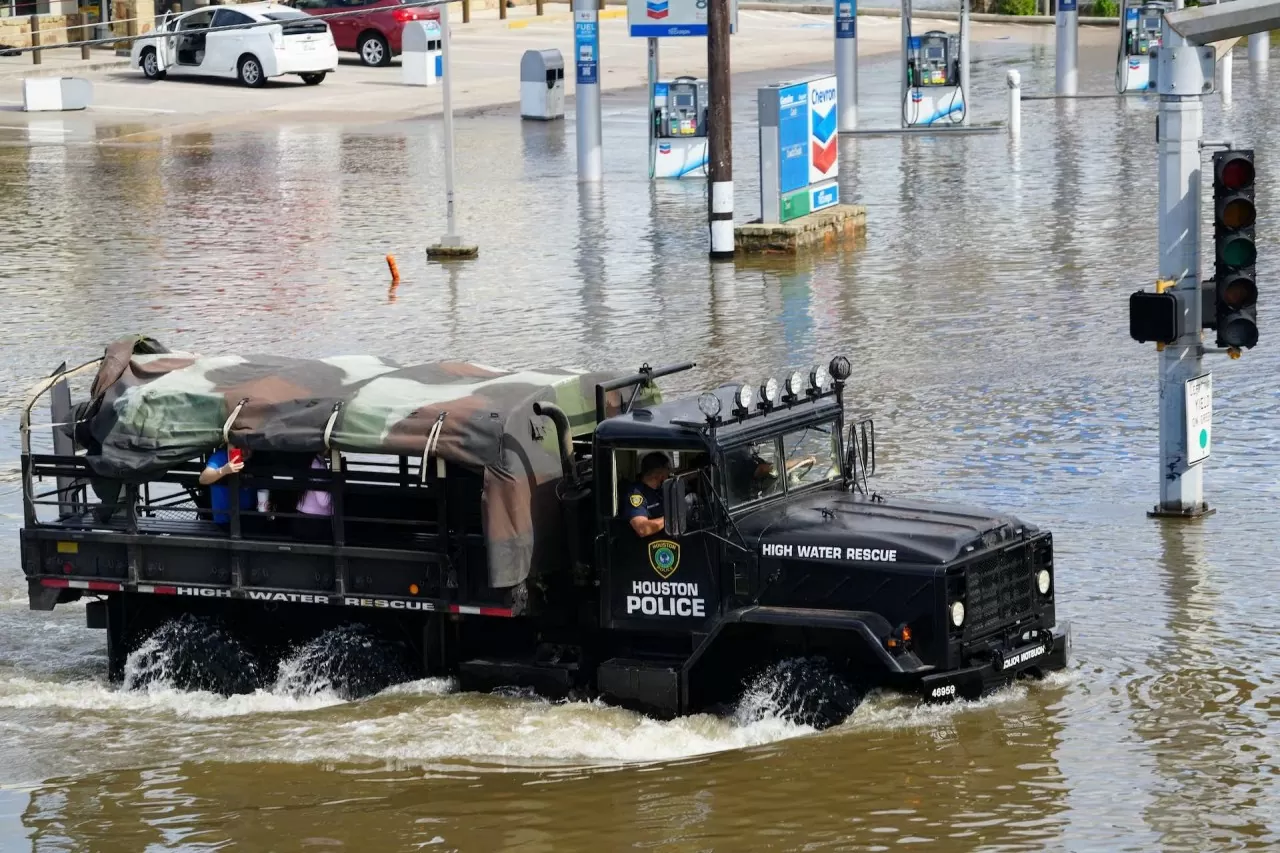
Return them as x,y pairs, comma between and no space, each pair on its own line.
637,501
664,556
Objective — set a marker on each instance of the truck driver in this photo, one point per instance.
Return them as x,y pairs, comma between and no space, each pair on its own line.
642,507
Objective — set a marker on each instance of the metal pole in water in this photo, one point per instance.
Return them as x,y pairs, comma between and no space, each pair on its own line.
1015,103
1178,142
1066,55
586,93
719,131
451,235
1259,48
964,60
653,81
450,244
906,37
1225,85
846,64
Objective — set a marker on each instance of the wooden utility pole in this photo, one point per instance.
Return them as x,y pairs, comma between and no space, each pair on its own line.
720,130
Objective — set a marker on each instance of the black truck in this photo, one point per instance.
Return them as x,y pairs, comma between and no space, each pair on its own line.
477,522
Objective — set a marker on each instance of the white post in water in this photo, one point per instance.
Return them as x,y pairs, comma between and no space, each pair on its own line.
450,244
846,64
964,61
1066,56
906,38
1015,103
586,92
1259,48
1225,81
1178,142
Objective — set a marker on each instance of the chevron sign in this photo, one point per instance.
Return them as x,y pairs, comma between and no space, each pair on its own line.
824,142
657,9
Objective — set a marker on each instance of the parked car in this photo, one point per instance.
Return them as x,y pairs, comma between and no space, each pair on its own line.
296,44
374,28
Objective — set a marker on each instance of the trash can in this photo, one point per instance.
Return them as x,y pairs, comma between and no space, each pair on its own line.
420,58
542,85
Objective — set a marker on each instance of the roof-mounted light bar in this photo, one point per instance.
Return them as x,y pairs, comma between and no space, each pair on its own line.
747,401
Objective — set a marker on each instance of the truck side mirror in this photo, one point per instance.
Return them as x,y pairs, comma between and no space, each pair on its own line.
861,454
675,512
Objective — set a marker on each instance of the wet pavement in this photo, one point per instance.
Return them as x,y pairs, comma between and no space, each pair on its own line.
985,313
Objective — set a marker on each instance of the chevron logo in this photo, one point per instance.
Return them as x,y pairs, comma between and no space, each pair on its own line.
657,9
823,125
823,157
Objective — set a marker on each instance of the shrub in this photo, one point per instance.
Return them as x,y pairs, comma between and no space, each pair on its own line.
1107,9
1016,7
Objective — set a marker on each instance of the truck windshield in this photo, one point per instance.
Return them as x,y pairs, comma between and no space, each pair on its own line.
813,455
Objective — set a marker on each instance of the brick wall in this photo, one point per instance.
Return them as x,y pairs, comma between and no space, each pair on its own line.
16,32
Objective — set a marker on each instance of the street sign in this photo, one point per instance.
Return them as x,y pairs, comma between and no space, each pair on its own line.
846,19
667,18
586,48
799,148
1199,410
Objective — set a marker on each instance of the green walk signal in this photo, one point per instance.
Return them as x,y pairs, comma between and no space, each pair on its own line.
1235,250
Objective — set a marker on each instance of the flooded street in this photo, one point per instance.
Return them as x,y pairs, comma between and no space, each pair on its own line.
986,316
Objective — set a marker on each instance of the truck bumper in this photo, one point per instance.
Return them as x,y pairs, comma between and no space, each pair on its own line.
1046,655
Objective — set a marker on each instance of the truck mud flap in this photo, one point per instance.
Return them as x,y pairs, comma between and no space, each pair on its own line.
645,687
553,682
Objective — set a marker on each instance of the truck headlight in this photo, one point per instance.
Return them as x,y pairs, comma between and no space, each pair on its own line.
1042,581
957,613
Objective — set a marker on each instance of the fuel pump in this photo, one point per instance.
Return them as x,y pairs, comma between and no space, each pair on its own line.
1139,33
678,129
933,73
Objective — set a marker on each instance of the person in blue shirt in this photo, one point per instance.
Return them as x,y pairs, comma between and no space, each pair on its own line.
218,467
642,505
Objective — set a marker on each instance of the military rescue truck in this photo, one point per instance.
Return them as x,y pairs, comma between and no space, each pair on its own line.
476,520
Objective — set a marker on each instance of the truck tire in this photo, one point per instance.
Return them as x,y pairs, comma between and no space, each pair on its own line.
193,653
352,661
802,691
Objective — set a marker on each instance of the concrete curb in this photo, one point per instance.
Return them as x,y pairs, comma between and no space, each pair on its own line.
63,70
559,18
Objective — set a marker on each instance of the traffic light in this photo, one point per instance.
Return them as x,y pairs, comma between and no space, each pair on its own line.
1235,288
1154,317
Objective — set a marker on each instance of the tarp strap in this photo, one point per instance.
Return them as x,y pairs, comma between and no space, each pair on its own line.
430,446
328,427
226,427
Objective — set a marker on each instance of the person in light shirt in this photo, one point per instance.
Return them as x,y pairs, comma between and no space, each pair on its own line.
315,509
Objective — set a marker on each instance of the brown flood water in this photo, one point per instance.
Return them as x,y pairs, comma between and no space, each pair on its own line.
985,313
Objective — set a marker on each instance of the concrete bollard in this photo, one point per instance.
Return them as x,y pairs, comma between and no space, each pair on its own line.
55,94
1225,87
1015,103
1259,48
36,55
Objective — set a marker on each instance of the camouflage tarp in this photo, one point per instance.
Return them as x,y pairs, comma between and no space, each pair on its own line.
152,409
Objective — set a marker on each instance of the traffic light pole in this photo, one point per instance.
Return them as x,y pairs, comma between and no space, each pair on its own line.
1179,122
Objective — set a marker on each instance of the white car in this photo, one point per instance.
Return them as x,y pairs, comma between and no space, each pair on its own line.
293,43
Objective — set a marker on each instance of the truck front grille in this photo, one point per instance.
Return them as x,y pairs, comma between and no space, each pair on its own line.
999,590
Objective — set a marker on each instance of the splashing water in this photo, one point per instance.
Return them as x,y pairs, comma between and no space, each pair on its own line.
349,662
192,653
802,691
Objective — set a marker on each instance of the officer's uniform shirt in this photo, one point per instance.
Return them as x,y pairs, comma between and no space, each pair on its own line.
642,502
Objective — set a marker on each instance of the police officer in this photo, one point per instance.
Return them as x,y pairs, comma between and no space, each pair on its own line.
642,506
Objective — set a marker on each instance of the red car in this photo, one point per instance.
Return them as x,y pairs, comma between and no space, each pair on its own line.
372,29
